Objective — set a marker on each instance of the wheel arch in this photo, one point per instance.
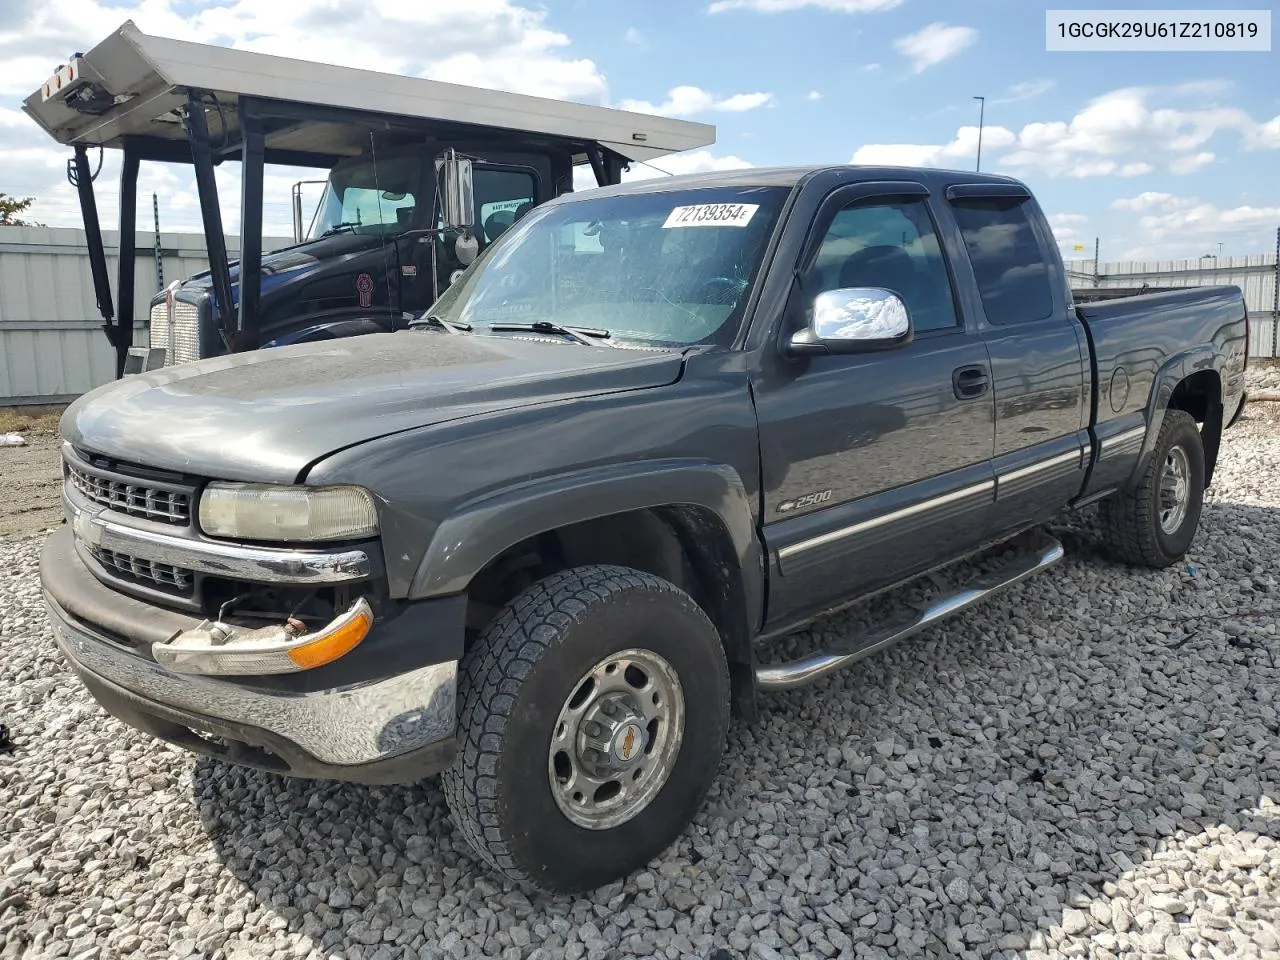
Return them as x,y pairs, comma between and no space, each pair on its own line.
688,522
1192,382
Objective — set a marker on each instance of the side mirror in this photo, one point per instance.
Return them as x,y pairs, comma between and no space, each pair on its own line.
459,194
854,320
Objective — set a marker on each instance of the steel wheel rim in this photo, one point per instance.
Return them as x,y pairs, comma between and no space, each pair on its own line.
1175,489
616,739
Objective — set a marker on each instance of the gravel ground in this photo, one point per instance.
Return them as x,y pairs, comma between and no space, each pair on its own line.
1085,766
1264,375
32,477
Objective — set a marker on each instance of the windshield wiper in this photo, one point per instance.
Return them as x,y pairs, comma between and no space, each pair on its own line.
340,228
587,335
453,326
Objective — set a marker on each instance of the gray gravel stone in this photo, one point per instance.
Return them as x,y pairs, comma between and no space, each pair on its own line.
1083,766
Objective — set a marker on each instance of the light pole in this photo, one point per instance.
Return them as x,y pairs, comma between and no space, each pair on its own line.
982,111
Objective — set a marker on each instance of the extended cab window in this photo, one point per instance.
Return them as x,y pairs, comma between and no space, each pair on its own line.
894,246
1010,267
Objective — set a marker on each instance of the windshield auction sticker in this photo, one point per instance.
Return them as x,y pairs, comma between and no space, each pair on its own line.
712,215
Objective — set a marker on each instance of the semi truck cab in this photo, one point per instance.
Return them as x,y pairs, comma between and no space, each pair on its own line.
421,176
376,253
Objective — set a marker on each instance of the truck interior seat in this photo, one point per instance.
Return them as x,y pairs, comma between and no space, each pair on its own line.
881,266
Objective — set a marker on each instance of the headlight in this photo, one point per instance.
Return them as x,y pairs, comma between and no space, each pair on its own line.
249,511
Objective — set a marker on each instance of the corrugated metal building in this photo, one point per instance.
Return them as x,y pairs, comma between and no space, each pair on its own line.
52,348
1255,275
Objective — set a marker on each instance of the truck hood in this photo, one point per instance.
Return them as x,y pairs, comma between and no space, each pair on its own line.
284,265
267,415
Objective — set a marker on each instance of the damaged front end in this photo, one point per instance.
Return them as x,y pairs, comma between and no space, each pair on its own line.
289,656
221,649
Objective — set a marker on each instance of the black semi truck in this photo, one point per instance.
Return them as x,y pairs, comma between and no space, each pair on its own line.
421,177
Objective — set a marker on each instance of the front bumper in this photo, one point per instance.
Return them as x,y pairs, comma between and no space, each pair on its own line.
386,716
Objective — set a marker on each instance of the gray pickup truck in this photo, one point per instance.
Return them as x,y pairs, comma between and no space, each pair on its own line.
533,543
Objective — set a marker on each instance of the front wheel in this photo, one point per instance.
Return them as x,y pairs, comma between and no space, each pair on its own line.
592,717
1154,523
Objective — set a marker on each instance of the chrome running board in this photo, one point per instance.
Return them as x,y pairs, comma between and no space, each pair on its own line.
1045,552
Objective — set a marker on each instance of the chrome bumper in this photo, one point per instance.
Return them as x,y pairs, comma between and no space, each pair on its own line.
349,726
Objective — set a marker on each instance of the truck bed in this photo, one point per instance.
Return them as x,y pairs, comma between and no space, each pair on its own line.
1142,347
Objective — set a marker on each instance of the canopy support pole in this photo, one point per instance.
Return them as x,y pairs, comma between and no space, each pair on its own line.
211,214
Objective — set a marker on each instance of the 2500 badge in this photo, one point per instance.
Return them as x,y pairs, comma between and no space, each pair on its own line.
808,500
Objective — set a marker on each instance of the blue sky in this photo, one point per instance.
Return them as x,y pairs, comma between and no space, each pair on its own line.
1158,154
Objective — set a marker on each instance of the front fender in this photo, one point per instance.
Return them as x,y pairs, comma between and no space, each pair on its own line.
480,530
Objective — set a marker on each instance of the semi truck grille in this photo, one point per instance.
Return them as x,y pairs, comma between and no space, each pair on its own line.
177,332
147,573
159,327
136,499
185,334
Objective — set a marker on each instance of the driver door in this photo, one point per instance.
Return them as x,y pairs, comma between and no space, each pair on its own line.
875,465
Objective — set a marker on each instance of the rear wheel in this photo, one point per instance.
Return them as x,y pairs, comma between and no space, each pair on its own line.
1154,523
592,718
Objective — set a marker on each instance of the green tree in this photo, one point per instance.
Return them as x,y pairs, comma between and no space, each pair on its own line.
10,207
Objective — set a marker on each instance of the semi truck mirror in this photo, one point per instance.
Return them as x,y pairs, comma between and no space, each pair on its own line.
459,194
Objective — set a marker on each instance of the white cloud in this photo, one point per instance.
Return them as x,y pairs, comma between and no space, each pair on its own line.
636,37
1149,200
699,161
783,6
1025,91
963,147
1134,170
1067,227
1264,135
1183,221
492,43
1112,135
870,67
933,44
813,95
686,100
1191,162
1123,122
742,102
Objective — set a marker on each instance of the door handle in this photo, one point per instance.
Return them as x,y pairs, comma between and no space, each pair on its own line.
970,382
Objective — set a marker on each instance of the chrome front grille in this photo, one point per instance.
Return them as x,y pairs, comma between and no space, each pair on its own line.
159,339
185,333
175,327
147,573
136,499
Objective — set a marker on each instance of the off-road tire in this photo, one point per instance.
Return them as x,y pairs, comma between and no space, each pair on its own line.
1130,519
512,685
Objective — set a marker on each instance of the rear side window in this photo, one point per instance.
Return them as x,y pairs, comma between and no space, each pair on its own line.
1012,274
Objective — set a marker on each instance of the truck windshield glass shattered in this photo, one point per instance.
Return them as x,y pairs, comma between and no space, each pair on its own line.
663,268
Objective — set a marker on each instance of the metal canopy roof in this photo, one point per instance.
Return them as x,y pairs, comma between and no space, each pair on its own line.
149,78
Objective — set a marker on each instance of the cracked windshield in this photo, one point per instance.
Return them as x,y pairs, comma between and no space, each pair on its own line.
668,268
